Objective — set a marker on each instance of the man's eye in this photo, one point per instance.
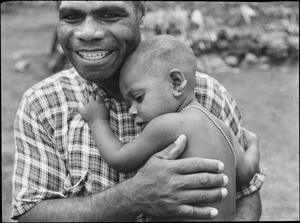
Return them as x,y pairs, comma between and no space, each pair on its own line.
71,17
110,16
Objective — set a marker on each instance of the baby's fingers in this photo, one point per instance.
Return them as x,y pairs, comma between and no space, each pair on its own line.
83,102
107,104
81,108
92,97
99,99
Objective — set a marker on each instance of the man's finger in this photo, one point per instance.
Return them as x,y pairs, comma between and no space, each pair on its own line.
203,196
202,180
174,150
195,212
250,138
197,164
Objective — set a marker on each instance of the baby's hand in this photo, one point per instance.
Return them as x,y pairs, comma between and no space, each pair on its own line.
94,109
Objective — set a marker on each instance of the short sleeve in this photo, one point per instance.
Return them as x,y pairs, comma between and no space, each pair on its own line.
39,170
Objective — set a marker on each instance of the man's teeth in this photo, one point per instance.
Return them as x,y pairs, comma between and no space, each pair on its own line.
95,55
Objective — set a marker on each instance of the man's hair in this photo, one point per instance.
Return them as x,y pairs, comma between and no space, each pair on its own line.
137,5
162,53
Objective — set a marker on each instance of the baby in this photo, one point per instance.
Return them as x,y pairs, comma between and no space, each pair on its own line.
157,81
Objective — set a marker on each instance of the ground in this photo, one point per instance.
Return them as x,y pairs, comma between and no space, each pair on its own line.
268,98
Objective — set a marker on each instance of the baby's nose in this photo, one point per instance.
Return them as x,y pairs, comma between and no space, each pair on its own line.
133,111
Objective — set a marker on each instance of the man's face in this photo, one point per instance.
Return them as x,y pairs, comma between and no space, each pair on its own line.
98,35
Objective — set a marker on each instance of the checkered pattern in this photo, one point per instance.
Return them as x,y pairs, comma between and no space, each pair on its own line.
56,156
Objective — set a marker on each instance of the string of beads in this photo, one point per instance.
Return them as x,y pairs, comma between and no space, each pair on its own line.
199,108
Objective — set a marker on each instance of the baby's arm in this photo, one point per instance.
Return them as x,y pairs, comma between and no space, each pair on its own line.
96,114
247,162
123,157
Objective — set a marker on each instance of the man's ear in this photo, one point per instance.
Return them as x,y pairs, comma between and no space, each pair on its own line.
179,82
142,13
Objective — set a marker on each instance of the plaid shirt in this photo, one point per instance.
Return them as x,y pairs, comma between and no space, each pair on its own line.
56,156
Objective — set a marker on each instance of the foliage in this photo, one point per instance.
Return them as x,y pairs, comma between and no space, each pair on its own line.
231,29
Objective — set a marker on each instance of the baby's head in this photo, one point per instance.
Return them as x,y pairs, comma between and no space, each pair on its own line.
158,77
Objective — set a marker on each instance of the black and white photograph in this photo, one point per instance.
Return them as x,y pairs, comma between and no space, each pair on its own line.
138,111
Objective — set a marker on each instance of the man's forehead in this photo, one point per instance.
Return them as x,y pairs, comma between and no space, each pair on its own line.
92,5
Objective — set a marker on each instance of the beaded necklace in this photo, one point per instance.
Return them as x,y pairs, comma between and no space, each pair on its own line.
199,108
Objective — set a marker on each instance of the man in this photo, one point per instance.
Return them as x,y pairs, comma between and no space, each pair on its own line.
59,174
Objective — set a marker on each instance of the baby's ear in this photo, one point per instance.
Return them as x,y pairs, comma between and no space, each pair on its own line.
179,82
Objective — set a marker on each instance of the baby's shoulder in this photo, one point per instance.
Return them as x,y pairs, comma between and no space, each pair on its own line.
167,122
169,118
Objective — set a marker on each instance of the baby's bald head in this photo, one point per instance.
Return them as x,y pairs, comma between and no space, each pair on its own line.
157,56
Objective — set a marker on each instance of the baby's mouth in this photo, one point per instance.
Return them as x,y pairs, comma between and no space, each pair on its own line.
142,124
93,55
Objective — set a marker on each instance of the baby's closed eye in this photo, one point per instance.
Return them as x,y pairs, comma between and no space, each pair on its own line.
139,98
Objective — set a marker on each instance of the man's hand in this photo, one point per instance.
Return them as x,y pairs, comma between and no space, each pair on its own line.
93,109
248,208
252,154
171,188
250,139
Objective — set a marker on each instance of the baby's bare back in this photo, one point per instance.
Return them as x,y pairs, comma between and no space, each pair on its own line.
206,140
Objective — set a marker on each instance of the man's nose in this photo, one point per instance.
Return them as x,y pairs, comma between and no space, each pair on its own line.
90,30
133,111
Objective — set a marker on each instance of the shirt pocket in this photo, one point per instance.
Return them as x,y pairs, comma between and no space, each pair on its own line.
82,187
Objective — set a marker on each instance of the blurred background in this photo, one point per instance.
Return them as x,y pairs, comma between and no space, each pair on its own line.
252,48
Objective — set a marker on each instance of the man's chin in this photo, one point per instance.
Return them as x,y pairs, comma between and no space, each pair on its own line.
96,72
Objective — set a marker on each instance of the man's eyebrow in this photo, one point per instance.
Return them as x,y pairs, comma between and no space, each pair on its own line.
65,10
110,8
100,10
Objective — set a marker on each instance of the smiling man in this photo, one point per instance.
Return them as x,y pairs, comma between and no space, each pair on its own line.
98,36
59,174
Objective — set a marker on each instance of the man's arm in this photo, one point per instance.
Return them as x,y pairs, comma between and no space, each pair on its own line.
163,187
247,162
109,205
248,208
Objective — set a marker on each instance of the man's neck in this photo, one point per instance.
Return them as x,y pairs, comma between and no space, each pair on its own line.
112,88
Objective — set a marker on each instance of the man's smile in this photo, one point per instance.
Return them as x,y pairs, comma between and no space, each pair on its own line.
93,55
